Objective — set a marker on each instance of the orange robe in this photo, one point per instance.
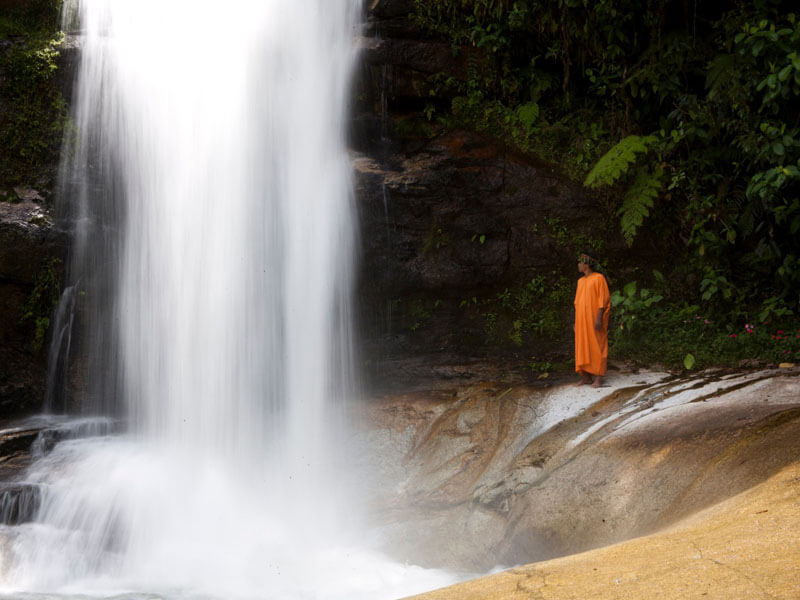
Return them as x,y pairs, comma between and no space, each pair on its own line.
591,346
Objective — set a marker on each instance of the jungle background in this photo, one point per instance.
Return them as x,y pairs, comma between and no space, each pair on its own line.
682,120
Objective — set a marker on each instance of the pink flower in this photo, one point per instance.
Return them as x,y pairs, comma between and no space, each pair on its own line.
733,335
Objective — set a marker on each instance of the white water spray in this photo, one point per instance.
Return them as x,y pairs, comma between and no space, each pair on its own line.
213,263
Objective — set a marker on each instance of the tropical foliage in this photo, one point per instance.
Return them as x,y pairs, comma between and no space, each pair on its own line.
34,111
685,115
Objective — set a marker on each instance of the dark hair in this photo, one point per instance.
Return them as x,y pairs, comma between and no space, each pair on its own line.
592,261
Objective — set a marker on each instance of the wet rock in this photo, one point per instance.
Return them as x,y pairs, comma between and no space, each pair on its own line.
19,502
740,548
28,242
27,238
488,474
387,9
22,441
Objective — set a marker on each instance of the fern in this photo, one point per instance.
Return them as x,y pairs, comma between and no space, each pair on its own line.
720,72
527,115
638,201
616,162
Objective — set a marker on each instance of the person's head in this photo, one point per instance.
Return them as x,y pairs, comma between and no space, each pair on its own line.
586,261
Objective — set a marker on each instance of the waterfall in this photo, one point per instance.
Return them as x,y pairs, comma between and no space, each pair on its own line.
209,191
213,213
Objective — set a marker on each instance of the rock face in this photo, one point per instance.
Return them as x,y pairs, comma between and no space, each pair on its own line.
29,246
741,548
494,474
448,218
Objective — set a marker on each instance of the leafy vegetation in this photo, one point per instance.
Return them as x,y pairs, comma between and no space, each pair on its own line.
34,111
33,114
43,299
683,115
680,335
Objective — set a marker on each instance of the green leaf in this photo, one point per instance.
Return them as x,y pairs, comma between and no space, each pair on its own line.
616,162
720,71
689,361
638,201
630,289
528,115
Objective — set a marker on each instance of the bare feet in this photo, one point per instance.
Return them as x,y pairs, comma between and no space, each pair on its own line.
585,379
598,381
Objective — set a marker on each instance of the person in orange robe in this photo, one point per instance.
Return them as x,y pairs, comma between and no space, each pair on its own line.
592,307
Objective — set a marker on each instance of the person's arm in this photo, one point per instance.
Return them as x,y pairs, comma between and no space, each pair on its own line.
605,303
598,322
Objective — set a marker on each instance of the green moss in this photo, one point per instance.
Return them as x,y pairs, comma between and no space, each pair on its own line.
42,300
30,17
34,111
32,125
437,238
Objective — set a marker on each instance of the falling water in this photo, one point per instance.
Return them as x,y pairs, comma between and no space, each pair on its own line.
211,203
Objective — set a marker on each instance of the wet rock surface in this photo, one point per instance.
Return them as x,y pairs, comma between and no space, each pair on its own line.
22,442
744,547
28,242
495,474
19,502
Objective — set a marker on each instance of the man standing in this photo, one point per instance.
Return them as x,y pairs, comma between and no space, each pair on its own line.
592,307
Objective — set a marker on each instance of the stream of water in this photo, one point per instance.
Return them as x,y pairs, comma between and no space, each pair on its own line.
210,196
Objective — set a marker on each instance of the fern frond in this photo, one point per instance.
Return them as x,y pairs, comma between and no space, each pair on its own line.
720,71
527,115
638,201
614,163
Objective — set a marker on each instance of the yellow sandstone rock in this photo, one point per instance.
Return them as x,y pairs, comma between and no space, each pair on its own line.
742,548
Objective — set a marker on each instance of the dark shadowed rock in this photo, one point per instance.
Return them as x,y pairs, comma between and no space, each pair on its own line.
457,217
19,502
28,242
